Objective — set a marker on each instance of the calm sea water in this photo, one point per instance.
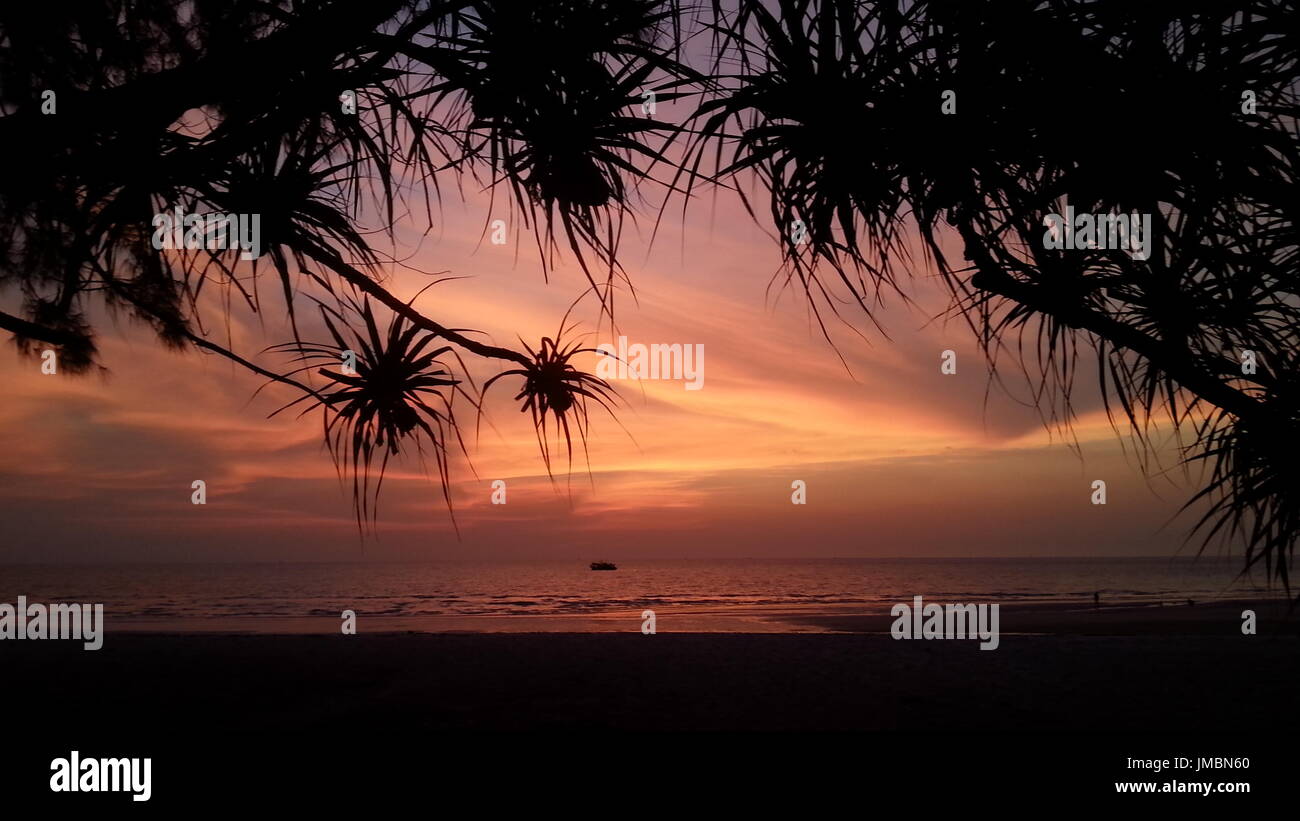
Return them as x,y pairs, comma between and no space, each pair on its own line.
568,595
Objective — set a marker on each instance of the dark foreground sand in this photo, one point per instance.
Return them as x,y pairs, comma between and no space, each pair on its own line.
1184,672
398,720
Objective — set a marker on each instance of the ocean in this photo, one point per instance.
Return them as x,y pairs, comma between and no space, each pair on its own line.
724,595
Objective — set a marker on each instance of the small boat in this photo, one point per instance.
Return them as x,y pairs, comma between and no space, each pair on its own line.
604,566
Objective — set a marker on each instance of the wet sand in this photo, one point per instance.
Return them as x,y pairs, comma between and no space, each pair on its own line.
1172,617
1223,618
1182,673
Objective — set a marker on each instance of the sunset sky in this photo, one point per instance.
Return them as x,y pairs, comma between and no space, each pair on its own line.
899,459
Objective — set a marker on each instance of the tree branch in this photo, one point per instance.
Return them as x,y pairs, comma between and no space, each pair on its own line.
30,330
357,278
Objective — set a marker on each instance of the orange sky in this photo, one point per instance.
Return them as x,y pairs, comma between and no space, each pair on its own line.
900,460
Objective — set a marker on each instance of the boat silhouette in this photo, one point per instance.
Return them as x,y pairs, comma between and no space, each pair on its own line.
604,566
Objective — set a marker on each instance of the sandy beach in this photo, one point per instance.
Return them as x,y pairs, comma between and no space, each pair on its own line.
1222,617
1058,708
1146,669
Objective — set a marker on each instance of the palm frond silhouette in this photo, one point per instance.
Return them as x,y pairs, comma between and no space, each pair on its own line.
391,393
1185,112
837,111
556,390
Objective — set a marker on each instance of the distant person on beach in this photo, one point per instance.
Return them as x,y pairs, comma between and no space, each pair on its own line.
1096,599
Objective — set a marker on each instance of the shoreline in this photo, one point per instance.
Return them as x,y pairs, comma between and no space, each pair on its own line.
1223,617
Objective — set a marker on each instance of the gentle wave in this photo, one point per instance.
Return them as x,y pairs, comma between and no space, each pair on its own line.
568,588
